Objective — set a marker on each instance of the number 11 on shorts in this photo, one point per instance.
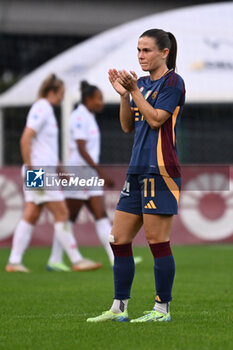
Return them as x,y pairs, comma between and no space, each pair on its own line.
149,185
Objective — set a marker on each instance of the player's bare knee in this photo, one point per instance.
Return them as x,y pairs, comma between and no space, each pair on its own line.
31,217
156,238
72,217
152,240
62,215
111,238
100,214
114,239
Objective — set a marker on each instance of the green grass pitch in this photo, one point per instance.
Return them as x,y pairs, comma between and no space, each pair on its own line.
47,311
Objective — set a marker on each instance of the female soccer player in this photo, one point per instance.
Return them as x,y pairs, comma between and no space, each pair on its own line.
151,192
39,147
84,160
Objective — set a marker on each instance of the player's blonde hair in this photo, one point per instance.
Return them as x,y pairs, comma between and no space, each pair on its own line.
51,83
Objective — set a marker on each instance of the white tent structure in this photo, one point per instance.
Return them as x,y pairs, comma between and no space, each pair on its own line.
205,59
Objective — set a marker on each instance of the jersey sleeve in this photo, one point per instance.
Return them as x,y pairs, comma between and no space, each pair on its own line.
80,127
36,119
168,98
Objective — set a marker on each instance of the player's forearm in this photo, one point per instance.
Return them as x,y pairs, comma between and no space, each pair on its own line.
25,146
91,162
126,117
60,167
150,114
86,156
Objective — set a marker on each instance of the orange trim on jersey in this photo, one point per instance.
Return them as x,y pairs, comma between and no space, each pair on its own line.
174,117
168,180
168,71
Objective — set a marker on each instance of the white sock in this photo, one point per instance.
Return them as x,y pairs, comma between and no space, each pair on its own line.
103,230
162,307
56,255
119,305
63,233
21,240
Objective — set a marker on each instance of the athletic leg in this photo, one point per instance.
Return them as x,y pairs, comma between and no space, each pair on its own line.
22,235
56,256
159,202
63,230
102,223
125,228
158,228
74,206
66,239
127,222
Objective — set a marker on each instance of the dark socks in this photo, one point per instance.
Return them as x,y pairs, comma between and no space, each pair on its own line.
123,270
164,270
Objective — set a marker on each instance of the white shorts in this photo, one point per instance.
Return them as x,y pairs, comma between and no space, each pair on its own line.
42,196
84,193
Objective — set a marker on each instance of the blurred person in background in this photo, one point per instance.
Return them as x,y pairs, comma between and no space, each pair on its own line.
84,135
39,147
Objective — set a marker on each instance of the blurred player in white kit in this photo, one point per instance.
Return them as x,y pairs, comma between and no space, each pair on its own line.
84,153
39,147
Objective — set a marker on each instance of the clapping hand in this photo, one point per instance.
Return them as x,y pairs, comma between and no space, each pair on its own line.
122,81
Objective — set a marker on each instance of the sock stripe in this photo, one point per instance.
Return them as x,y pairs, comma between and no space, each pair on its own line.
122,250
160,250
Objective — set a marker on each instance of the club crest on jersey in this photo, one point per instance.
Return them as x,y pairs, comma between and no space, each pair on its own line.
141,88
154,95
147,94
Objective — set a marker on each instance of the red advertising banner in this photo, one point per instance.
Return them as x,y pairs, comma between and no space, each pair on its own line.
205,210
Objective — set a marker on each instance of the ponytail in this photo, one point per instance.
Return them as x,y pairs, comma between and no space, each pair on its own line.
171,59
87,90
164,40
